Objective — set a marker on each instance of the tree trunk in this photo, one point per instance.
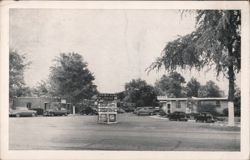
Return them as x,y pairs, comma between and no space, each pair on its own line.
231,83
231,75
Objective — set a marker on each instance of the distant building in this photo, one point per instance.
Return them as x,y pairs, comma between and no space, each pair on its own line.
216,106
40,104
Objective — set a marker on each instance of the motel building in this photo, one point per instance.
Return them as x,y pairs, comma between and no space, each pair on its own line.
214,105
40,104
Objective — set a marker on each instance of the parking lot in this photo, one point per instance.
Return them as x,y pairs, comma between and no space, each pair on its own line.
132,132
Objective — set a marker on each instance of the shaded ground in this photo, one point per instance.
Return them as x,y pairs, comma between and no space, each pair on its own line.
131,133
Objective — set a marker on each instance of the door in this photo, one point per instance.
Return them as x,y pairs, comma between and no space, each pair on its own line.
46,106
169,108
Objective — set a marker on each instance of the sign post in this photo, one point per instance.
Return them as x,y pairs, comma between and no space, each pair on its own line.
107,108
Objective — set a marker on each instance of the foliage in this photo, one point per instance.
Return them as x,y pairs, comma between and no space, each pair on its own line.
42,89
121,95
139,92
71,79
17,66
215,42
170,85
209,90
193,87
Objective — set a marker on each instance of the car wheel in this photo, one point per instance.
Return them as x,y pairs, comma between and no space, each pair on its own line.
17,115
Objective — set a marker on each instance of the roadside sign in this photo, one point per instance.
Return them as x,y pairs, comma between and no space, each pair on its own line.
63,101
107,108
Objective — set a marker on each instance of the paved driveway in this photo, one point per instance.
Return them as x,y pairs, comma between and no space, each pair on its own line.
131,133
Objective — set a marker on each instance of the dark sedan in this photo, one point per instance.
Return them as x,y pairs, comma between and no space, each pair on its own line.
89,111
205,117
178,116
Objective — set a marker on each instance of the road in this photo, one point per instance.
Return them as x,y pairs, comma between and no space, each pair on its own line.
132,132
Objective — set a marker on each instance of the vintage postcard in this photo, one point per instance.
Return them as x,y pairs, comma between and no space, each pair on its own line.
124,80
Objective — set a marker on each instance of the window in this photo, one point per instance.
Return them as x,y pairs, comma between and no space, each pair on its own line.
168,106
217,103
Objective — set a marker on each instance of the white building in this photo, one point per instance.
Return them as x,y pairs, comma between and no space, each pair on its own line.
214,105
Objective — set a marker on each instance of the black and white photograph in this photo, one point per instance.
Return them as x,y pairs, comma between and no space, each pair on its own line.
126,78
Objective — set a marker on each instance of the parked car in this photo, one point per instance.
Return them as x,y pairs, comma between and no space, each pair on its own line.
89,111
128,109
120,110
192,116
56,112
162,112
22,112
39,111
205,117
145,111
178,116
137,109
156,111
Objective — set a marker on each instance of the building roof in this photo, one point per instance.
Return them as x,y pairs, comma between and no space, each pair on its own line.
165,98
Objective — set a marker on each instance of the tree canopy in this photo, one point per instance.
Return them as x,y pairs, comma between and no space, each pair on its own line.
139,92
193,87
42,89
171,85
17,66
209,90
71,79
215,43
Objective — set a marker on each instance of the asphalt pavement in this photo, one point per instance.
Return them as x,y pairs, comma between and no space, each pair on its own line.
134,133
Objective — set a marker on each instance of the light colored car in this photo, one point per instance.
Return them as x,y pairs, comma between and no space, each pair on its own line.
136,110
120,110
22,112
145,111
56,112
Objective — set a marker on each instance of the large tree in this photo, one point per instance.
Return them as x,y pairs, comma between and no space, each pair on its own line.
71,79
171,85
210,89
193,87
139,92
17,66
215,42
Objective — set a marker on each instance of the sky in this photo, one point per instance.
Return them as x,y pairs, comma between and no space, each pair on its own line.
118,45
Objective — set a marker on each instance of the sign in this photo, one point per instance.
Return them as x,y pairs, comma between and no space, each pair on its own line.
63,101
103,118
107,97
107,108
